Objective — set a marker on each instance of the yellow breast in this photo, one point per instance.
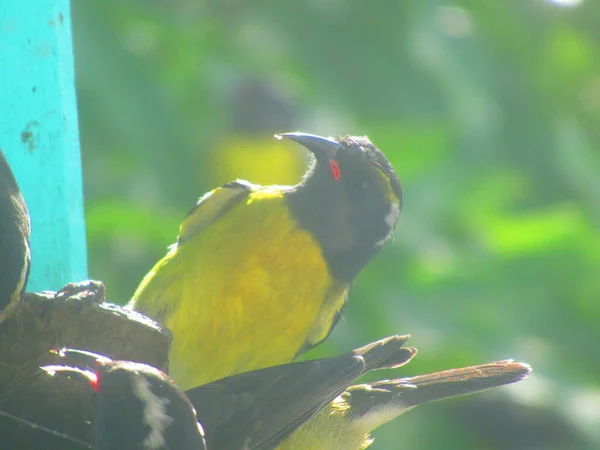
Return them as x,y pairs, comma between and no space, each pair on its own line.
245,293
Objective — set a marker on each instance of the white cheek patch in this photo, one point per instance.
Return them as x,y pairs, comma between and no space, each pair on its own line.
392,217
390,220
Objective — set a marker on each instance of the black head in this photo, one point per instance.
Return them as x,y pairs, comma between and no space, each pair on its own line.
140,404
137,406
349,199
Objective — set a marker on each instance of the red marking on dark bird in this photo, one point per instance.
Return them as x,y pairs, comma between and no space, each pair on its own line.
95,382
336,172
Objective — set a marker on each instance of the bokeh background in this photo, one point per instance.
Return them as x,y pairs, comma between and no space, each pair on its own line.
489,112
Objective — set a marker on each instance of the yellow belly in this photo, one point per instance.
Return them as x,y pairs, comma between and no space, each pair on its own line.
245,293
328,430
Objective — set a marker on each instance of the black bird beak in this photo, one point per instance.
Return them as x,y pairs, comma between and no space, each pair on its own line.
77,362
322,148
81,358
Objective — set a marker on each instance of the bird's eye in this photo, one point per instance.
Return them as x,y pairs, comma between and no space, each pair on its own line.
360,185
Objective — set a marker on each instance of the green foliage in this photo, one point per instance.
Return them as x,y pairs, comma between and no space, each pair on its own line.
488,110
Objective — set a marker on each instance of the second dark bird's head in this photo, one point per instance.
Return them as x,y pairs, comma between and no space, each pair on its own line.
136,407
349,200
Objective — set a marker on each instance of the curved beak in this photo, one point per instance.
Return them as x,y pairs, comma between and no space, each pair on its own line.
319,146
81,358
80,362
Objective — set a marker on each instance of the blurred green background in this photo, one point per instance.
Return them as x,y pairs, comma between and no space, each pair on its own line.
489,112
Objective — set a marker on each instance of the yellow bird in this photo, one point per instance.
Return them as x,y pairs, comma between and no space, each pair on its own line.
260,274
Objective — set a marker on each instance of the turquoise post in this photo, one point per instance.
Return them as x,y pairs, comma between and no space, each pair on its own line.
39,135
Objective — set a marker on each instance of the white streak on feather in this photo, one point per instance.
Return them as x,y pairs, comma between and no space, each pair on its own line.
155,413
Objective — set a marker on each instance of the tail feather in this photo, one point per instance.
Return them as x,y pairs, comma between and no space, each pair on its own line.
455,382
387,353
373,404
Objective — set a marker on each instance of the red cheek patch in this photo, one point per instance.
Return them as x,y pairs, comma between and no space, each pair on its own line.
336,172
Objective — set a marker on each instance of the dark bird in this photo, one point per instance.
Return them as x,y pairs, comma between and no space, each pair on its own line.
15,228
139,407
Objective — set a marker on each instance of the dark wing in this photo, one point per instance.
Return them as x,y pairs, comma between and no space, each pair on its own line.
257,410
212,206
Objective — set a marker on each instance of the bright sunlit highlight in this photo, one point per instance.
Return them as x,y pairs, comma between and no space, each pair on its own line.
571,3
